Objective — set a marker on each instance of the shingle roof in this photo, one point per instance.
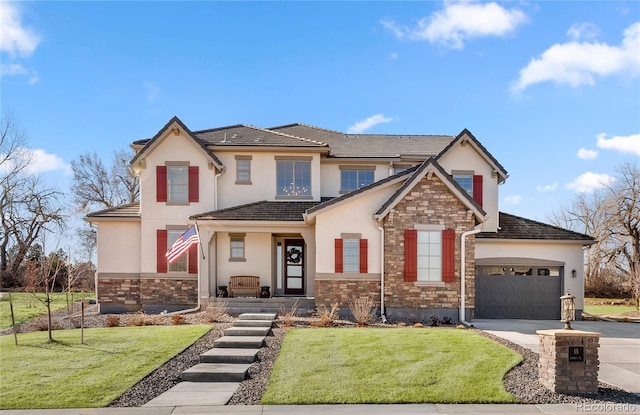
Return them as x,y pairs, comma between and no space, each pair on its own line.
516,227
131,211
371,145
260,211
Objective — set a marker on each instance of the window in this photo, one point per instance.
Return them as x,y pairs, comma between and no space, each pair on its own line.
181,263
471,183
177,183
465,181
293,178
351,255
243,169
429,256
353,178
237,247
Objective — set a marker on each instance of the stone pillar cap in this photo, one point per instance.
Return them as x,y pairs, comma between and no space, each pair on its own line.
567,333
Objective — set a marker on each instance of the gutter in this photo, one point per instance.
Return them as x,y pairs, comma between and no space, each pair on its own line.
463,271
382,310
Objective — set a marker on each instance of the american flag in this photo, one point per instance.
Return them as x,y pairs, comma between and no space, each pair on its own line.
182,244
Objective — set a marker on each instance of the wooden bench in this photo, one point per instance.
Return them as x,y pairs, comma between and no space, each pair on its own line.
244,283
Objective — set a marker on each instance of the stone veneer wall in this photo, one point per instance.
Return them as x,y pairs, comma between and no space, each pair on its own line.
341,290
133,293
429,203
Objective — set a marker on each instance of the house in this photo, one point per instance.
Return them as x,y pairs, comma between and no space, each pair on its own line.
409,220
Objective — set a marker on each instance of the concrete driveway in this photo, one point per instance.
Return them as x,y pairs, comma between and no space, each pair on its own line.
619,352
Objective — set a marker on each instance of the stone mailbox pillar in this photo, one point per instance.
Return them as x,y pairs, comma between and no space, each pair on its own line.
568,360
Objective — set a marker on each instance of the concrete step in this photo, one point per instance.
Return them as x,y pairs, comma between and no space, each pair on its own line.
257,316
195,394
247,331
239,342
252,323
222,355
216,372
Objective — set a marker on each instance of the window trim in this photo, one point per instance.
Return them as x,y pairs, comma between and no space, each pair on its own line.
248,170
237,237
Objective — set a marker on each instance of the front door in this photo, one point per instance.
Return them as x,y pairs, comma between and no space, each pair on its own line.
294,266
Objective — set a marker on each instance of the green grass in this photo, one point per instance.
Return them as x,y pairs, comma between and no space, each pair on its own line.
600,310
26,306
67,374
403,365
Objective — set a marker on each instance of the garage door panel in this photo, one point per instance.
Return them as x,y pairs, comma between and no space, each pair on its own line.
521,297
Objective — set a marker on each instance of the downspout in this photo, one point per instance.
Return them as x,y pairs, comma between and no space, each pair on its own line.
382,310
463,271
215,188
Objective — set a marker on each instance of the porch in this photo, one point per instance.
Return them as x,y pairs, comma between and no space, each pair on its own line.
239,305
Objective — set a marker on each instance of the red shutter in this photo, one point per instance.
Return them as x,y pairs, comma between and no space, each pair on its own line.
194,184
477,189
410,255
161,183
161,241
448,255
364,254
193,259
338,256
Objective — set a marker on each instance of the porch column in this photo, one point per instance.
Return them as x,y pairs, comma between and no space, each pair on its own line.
203,267
309,237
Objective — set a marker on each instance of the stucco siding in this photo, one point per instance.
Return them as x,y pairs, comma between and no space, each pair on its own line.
258,254
330,175
119,247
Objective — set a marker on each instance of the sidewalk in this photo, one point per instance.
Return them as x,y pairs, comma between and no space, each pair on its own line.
410,409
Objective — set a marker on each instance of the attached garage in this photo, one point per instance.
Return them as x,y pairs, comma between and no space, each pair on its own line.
518,288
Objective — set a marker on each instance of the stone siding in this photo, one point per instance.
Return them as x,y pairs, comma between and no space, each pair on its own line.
331,291
429,203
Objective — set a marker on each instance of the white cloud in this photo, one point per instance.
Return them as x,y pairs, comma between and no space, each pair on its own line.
41,162
513,199
16,39
364,125
583,31
547,187
585,154
12,69
459,21
623,144
588,182
579,63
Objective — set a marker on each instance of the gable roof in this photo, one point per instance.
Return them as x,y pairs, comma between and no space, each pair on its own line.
260,211
130,212
149,144
466,136
431,166
248,135
371,145
516,227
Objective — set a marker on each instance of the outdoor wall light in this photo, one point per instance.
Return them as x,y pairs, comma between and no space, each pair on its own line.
567,310
574,273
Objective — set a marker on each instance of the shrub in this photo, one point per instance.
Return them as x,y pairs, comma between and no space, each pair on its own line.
362,310
136,319
326,317
217,311
112,321
177,319
434,321
288,314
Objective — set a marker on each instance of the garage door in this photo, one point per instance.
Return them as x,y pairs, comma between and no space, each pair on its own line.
525,292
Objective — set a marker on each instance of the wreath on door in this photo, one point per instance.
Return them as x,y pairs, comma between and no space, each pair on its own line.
294,255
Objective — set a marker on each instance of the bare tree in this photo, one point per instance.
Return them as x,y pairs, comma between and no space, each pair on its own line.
28,208
96,187
612,217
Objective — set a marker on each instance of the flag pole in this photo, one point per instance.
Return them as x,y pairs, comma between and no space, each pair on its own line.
199,240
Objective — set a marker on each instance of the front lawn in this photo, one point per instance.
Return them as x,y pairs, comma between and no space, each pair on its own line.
26,306
67,374
402,365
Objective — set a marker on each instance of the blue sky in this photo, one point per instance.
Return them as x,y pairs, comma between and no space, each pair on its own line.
551,88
